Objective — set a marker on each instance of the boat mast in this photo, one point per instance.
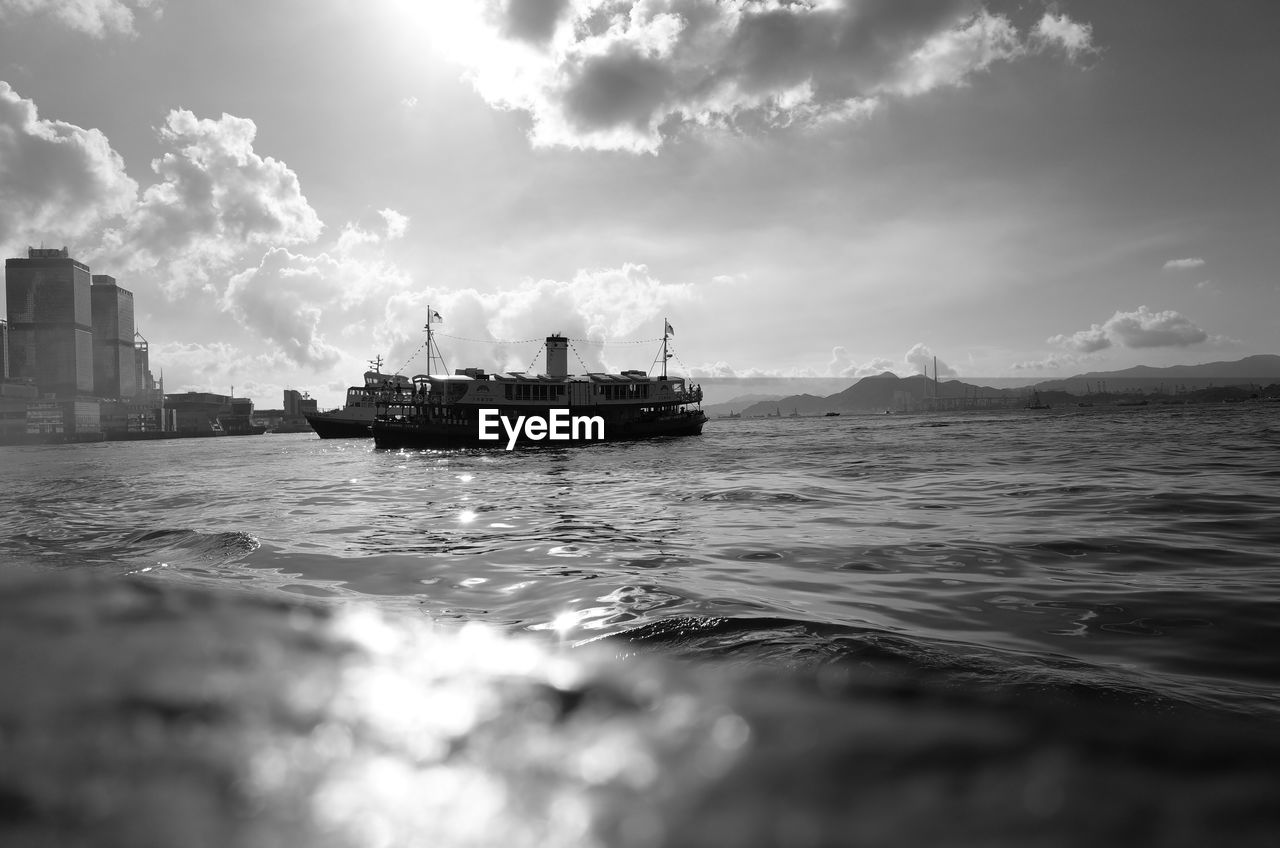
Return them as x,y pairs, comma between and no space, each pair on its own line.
433,351
666,332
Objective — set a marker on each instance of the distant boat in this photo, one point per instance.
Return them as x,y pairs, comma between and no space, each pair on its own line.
731,414
795,413
353,421
832,415
1036,403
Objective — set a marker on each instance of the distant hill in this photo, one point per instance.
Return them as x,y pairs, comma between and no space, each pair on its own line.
803,404
889,392
1260,369
736,404
880,393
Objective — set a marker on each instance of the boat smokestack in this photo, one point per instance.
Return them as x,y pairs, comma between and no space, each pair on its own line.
557,356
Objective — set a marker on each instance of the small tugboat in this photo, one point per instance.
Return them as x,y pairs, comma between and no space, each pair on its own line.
354,419
470,408
1036,403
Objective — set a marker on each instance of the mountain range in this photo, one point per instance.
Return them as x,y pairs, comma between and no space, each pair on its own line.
889,392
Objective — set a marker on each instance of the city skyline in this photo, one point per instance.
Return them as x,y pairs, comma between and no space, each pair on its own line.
827,190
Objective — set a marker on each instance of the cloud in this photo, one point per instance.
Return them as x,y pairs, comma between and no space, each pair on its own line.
302,302
284,299
397,223
218,366
598,308
1141,328
921,359
98,18
1074,38
215,197
715,370
1145,328
1091,340
918,360
626,74
1180,264
533,21
1052,362
843,365
58,182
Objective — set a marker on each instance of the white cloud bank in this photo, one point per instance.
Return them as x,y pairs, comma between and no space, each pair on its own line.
1141,328
918,360
98,18
1182,264
58,182
623,74
597,309
215,197
301,301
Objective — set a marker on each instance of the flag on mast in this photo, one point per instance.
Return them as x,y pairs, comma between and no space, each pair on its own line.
670,331
436,315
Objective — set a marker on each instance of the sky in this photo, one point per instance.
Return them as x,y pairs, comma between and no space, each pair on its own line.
830,188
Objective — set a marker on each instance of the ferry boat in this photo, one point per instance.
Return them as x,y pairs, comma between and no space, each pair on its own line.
451,410
353,420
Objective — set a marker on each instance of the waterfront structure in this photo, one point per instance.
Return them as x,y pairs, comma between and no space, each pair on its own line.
196,413
14,399
237,418
50,322
208,414
147,389
69,366
114,358
297,404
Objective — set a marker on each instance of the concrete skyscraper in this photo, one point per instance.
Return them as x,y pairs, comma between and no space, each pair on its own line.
4,349
50,322
113,353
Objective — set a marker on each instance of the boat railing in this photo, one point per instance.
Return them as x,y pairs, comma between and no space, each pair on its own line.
689,394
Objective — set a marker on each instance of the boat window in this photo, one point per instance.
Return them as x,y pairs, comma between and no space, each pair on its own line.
507,390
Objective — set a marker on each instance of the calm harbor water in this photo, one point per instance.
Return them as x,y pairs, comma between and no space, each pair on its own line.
1129,554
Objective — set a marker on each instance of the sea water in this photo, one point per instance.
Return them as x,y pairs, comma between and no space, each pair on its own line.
1128,556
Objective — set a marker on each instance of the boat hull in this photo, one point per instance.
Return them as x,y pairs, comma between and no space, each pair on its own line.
405,433
329,425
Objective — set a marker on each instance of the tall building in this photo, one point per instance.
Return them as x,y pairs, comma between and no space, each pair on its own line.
4,349
50,322
144,381
113,354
